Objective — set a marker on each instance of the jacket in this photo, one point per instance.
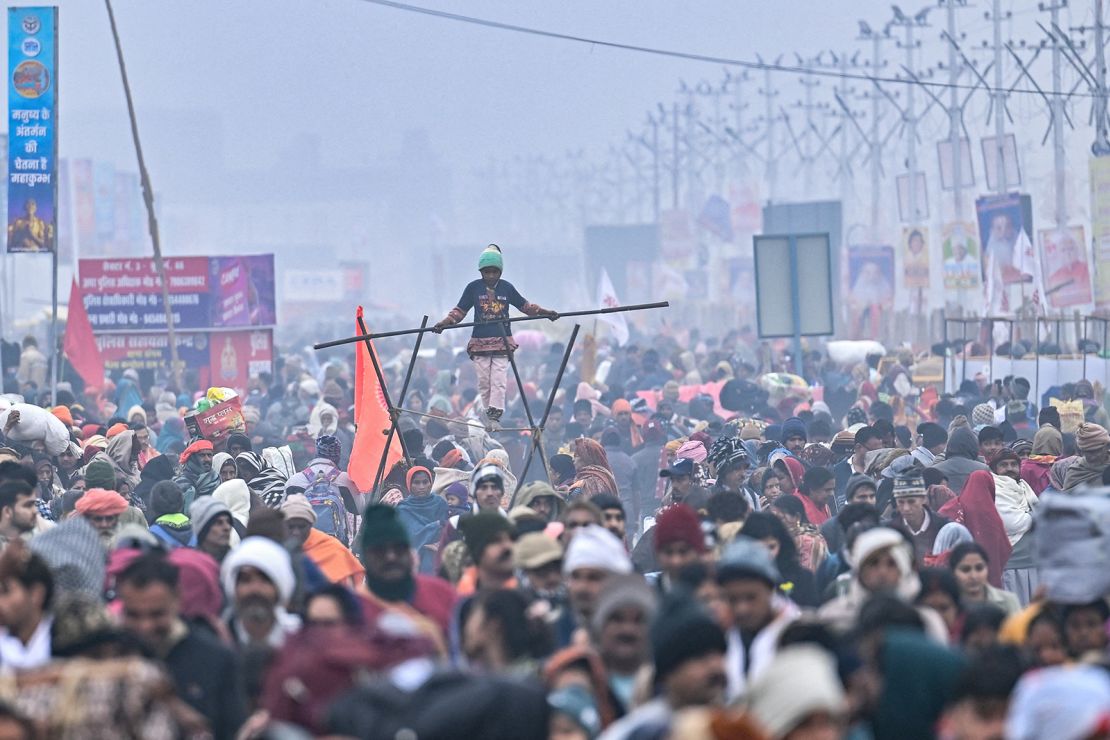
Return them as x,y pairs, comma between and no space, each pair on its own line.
207,678
763,649
960,458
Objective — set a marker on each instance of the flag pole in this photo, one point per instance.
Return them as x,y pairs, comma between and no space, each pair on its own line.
385,392
148,200
393,418
537,433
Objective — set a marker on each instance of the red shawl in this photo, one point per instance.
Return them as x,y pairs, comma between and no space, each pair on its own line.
817,515
975,509
796,470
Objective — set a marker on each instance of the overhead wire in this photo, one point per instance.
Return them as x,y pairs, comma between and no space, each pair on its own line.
699,57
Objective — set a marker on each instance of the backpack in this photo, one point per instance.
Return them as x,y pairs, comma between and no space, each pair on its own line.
327,502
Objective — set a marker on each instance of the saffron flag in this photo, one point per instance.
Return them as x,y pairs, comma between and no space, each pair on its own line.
371,421
607,297
80,345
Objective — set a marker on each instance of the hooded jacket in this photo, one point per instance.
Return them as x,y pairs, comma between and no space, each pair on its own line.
831,530
961,458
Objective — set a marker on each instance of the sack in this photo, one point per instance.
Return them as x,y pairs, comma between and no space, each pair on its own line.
36,423
327,502
1072,539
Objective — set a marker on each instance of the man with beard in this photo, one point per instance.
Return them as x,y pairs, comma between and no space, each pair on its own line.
593,555
540,559
489,541
205,672
612,514
18,512
794,435
688,649
258,582
617,649
102,509
1015,501
197,479
388,559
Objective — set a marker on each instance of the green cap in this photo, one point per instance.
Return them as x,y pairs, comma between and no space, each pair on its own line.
491,257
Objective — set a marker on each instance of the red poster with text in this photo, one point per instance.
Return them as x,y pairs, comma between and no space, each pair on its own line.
238,356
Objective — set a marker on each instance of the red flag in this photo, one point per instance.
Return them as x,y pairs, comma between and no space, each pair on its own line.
371,420
80,345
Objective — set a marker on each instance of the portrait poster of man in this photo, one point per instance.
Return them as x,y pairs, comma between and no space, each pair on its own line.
1005,231
1009,265
915,258
1067,279
870,288
962,266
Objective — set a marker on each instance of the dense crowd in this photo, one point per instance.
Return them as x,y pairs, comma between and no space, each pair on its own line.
695,545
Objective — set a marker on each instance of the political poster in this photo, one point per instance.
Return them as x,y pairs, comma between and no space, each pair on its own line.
1100,228
32,129
205,293
126,294
915,258
1067,278
1006,233
960,249
236,356
152,351
227,359
870,287
243,290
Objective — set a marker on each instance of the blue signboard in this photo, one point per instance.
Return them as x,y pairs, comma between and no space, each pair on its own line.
32,127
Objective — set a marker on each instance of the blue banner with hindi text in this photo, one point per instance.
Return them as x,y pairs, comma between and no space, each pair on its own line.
32,127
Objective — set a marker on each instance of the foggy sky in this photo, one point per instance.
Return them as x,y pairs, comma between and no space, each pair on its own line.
297,114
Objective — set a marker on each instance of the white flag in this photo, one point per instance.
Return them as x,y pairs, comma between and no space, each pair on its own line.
607,298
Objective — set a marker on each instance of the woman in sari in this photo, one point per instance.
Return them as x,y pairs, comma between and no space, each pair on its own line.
593,474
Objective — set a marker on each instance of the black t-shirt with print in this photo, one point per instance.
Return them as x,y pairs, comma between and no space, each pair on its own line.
490,305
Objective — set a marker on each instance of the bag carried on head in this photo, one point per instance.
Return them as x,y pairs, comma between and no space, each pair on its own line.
327,502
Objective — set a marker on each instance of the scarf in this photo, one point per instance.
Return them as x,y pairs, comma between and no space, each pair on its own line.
119,450
593,480
1015,501
976,510
335,560
1082,473
265,480
1059,471
423,518
316,426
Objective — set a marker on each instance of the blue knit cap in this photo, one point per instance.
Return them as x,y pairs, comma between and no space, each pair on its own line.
793,427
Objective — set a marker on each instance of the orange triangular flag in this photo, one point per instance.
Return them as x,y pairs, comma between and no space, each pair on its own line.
371,420
80,345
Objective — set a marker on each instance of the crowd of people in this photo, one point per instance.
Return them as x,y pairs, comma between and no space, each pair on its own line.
693,546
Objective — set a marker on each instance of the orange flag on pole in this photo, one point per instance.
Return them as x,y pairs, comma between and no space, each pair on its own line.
371,420
80,345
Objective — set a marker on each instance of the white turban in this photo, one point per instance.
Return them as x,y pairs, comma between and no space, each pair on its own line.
593,546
